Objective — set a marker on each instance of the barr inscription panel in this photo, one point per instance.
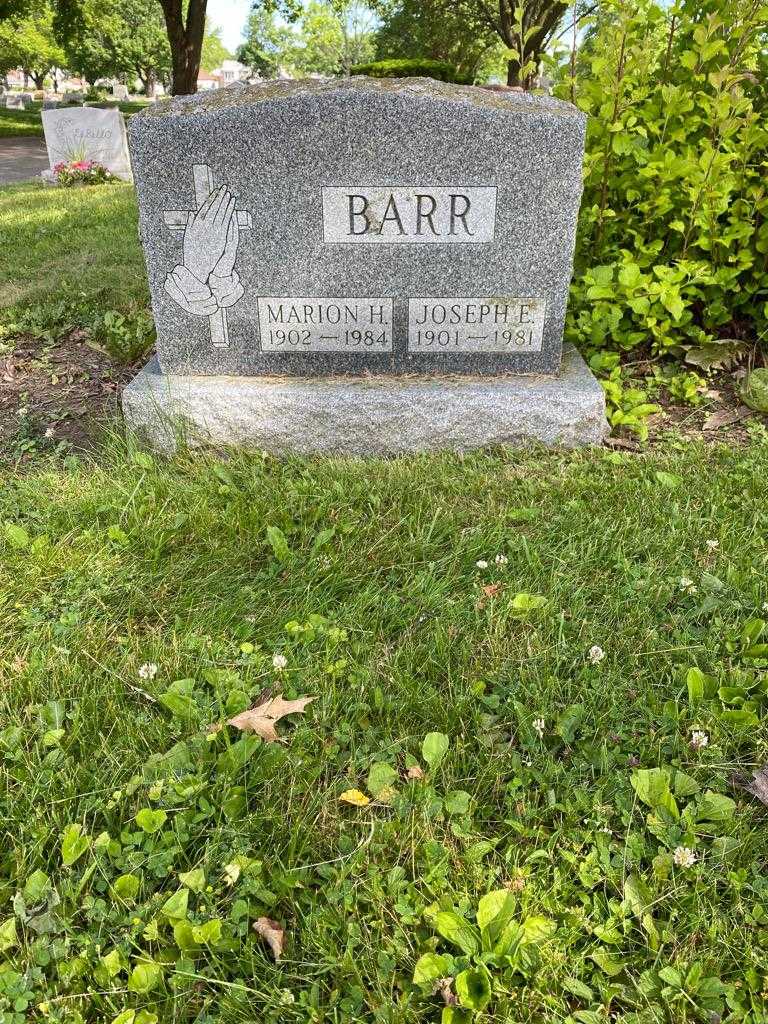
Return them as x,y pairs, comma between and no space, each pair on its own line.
494,325
409,215
355,325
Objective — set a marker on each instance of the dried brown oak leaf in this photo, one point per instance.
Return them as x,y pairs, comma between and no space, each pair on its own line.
758,785
261,719
443,986
272,934
725,417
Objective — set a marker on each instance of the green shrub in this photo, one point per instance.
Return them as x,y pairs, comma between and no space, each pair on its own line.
673,229
125,336
420,67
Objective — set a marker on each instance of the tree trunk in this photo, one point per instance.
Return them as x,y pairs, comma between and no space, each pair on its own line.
186,42
513,72
150,85
539,24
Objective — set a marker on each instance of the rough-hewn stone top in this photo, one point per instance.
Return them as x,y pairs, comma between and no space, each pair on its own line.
406,88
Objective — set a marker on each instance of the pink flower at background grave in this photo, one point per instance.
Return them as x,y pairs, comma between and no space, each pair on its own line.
81,172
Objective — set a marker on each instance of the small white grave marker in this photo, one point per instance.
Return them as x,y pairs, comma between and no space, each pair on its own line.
88,133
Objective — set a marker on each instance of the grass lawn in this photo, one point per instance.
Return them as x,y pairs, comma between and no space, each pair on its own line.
144,853
20,122
29,122
75,245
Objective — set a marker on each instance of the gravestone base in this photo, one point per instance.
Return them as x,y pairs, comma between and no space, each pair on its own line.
367,416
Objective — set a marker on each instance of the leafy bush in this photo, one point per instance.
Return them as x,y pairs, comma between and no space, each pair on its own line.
673,230
416,68
96,95
126,336
81,172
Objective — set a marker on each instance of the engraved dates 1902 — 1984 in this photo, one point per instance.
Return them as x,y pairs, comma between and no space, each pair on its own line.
359,325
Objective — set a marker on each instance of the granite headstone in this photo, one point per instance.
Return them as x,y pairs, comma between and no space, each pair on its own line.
357,230
15,102
381,226
87,133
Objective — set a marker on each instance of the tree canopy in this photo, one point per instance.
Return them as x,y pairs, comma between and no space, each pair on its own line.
326,37
28,42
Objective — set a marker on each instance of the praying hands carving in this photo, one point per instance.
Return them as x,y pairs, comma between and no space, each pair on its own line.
206,283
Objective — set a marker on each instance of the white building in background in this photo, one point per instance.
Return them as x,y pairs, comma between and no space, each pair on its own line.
207,81
230,72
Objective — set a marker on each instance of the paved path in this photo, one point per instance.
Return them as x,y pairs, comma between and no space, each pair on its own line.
22,159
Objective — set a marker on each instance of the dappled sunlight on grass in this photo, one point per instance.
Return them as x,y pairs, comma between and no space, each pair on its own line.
80,241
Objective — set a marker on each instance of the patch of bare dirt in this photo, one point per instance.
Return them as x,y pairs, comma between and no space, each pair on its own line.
721,415
53,393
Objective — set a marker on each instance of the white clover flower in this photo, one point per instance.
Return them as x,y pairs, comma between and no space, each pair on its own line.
713,545
148,670
538,725
684,857
279,662
50,432
501,560
596,654
699,739
765,606
687,585
481,564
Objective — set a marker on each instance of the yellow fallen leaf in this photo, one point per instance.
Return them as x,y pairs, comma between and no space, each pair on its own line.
262,718
231,873
272,934
354,797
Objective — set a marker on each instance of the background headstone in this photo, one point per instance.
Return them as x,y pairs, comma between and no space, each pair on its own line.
87,133
382,227
120,92
15,102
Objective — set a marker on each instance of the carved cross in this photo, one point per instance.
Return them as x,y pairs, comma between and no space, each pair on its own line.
177,220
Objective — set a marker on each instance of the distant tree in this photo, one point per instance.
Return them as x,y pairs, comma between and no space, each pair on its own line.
524,27
318,43
88,55
357,26
119,39
331,37
266,45
29,43
214,51
126,39
184,22
447,30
